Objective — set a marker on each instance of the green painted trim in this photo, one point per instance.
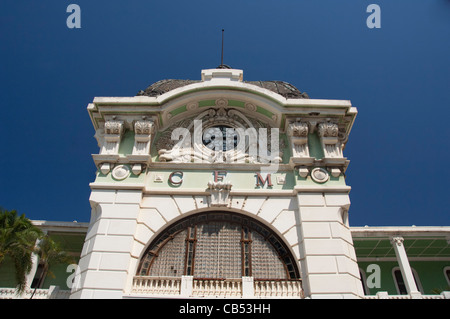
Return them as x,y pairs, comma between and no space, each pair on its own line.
315,146
263,111
179,110
287,152
206,103
126,143
236,103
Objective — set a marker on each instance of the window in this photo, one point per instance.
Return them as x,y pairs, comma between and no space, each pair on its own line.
363,276
400,283
401,287
39,276
218,245
447,274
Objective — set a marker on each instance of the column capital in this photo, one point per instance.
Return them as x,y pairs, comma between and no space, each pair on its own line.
144,127
114,127
397,240
328,129
298,129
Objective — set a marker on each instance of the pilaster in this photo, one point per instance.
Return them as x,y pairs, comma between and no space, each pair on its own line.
328,259
105,258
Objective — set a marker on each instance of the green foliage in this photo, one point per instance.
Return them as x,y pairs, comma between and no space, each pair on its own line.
50,253
18,238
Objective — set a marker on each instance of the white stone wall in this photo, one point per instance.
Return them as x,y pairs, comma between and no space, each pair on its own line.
329,267
105,258
313,225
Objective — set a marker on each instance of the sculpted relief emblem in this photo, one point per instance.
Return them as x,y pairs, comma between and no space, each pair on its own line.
219,135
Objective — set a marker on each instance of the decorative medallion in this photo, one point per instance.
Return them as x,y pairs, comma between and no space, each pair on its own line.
222,102
320,175
120,172
250,107
192,106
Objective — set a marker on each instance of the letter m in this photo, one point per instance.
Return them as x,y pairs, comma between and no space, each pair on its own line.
260,181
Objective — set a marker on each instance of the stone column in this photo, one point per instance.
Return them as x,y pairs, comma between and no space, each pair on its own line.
405,268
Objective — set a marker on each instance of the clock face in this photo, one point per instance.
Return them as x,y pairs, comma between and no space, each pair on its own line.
220,137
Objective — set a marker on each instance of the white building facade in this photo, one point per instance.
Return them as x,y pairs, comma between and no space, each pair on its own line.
220,188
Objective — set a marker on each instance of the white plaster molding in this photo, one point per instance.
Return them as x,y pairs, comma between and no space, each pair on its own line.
397,240
121,172
328,130
329,136
136,169
320,175
303,171
113,131
393,231
105,168
222,75
114,127
143,127
298,133
220,192
335,172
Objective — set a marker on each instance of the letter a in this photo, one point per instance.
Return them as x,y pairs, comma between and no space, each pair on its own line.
74,20
373,281
374,20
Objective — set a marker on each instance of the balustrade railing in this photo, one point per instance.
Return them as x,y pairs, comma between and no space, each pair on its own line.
385,295
218,288
52,293
147,285
278,288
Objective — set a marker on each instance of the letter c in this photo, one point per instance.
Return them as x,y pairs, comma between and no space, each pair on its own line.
176,182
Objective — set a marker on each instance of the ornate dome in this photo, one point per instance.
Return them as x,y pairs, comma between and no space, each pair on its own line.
285,89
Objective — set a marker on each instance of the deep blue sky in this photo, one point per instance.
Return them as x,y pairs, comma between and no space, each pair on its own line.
397,76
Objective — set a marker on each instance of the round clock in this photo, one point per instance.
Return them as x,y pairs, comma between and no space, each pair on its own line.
220,137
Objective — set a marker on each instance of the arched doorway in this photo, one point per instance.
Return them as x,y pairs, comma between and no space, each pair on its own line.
219,245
